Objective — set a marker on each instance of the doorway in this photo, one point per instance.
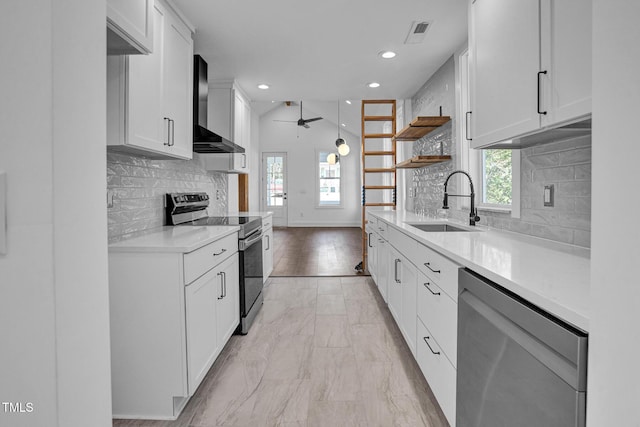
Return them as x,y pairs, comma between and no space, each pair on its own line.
274,187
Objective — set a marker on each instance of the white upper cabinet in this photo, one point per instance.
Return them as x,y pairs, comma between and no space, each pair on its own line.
530,67
130,27
566,44
230,117
149,98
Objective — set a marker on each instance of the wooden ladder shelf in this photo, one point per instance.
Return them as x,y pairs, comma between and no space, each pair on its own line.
385,172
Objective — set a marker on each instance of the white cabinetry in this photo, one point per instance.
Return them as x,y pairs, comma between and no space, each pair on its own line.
372,251
129,27
171,314
267,247
530,67
149,98
229,115
420,287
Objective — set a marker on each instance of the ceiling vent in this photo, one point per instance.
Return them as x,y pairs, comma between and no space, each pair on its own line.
417,32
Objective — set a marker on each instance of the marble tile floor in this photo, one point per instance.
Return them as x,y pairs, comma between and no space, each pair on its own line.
324,351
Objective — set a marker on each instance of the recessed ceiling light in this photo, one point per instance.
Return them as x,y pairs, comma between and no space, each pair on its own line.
348,102
343,125
373,84
263,86
387,54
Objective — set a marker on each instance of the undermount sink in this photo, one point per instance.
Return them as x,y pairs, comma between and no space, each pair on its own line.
438,227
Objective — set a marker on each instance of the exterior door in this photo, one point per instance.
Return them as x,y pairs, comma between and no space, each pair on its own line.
274,187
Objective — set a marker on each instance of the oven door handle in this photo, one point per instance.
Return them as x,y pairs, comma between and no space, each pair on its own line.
247,243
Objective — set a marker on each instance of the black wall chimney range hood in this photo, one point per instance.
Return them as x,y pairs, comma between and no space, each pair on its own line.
205,141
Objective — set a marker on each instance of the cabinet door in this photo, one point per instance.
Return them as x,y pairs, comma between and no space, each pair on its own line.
267,253
504,62
372,257
177,87
394,288
408,279
201,321
146,127
228,300
566,55
241,125
132,22
382,272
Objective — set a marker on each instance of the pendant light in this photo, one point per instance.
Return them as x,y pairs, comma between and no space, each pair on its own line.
333,158
343,148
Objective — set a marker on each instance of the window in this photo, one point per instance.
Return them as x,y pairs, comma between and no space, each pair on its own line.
495,173
329,182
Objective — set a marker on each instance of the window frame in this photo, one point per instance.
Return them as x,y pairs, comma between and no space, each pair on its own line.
319,205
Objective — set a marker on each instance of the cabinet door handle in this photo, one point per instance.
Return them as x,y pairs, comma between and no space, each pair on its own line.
244,161
426,340
168,122
268,242
173,132
395,270
466,126
224,284
220,253
539,86
426,285
370,240
221,286
428,265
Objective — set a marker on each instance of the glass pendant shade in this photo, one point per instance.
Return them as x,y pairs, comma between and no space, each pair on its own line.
343,149
333,158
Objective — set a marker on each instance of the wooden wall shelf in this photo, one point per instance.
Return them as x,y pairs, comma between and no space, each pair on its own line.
421,161
421,126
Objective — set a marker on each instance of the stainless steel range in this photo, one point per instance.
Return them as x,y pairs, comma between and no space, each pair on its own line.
191,209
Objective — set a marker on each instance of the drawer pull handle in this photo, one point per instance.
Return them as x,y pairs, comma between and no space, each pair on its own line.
220,253
426,340
428,265
426,285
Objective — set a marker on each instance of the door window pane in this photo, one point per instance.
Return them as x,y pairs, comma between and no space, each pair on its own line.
275,181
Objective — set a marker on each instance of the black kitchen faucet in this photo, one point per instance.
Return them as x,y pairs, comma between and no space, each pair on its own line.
473,215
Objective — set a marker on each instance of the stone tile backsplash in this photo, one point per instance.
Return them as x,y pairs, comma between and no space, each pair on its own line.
565,164
139,185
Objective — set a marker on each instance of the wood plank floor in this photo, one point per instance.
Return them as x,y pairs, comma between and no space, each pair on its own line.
316,251
323,352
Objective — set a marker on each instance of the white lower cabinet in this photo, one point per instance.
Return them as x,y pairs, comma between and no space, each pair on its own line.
171,314
212,314
438,371
402,297
420,288
267,248
372,258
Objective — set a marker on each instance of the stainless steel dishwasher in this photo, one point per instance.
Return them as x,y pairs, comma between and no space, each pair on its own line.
518,366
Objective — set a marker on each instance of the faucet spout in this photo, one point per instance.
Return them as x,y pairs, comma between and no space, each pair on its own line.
473,214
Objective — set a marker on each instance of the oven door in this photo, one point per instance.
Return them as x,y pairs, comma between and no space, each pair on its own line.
250,270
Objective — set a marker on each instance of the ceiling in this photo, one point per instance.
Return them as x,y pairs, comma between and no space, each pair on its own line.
325,50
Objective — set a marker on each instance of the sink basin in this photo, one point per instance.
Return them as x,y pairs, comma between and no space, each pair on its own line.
438,227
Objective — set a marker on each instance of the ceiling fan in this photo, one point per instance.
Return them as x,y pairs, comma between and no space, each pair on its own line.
301,122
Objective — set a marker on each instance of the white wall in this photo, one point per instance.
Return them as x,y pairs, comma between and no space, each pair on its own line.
301,144
54,318
614,377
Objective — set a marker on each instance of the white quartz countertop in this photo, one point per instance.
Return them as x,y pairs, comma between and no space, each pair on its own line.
551,275
174,239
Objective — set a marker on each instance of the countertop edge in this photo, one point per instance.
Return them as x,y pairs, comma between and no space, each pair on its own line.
129,245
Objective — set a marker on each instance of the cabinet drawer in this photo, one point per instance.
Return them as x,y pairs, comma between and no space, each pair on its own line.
403,243
267,222
382,228
437,310
439,269
201,260
438,372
